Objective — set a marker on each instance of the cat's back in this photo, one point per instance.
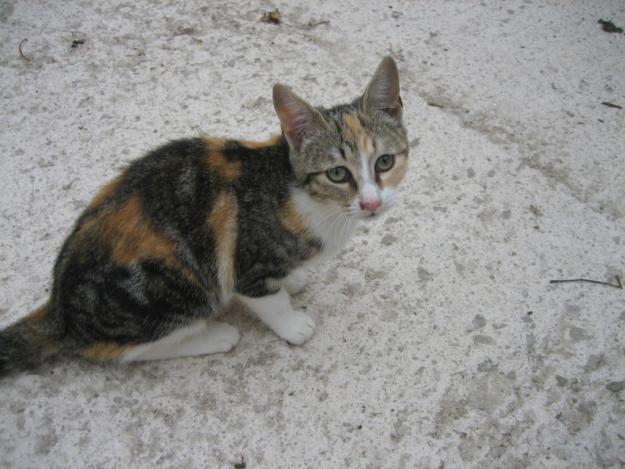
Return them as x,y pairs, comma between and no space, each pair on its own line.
166,197
183,177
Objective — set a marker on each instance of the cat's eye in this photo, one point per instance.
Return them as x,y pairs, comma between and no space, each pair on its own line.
384,163
338,174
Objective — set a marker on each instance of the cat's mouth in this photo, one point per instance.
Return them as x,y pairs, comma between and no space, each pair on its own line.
367,215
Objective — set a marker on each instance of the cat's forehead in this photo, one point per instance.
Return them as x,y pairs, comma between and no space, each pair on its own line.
353,129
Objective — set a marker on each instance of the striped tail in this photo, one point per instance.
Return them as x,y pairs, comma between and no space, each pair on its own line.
29,342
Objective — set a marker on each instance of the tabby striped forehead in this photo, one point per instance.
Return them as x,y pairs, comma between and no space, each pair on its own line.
359,135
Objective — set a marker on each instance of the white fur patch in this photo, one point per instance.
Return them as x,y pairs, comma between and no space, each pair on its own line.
277,313
199,338
327,221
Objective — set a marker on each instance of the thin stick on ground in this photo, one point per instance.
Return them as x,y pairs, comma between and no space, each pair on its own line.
19,48
618,284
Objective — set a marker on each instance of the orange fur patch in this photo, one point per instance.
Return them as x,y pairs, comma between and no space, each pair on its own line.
129,237
222,222
395,175
354,131
291,219
105,351
105,192
273,140
38,314
132,238
38,330
217,162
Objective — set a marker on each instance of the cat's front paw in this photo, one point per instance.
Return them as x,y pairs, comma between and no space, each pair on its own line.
295,327
295,282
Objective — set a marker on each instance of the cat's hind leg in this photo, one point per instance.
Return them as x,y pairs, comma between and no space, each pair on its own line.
276,312
199,338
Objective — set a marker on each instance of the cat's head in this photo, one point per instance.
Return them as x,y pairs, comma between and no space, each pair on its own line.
353,155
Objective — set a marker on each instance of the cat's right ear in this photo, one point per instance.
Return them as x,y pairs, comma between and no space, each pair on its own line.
382,93
299,119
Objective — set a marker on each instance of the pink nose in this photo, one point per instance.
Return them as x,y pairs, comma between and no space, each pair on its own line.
370,205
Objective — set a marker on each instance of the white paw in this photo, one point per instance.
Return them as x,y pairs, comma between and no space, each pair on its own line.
223,337
294,326
295,282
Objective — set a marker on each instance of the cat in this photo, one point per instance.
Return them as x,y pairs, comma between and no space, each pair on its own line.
197,222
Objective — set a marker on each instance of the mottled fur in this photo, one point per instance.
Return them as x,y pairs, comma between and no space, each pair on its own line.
172,239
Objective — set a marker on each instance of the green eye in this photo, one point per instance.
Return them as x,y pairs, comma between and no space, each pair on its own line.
384,163
338,174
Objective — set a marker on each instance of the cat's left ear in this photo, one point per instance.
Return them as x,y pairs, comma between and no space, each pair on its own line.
382,93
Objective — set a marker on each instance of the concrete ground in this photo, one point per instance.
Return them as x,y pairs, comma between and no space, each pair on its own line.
440,341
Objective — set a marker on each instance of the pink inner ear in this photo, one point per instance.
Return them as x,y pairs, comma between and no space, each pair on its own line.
296,116
383,91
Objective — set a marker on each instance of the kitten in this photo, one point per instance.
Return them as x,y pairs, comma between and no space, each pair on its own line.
197,222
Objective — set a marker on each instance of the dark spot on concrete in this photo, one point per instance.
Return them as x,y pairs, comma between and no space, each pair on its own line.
424,275
506,214
388,239
371,275
184,31
6,10
487,365
470,173
572,309
615,386
577,334
479,321
483,340
562,381
594,363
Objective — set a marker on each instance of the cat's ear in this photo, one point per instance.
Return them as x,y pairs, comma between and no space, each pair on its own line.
382,93
299,119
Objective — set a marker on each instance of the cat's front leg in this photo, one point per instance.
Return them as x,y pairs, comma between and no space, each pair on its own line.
276,312
295,282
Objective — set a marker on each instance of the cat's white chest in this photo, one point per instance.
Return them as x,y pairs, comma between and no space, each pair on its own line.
326,221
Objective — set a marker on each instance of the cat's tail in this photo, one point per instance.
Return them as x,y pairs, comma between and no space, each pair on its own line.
29,342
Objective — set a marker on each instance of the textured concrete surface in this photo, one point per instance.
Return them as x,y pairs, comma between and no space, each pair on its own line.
440,341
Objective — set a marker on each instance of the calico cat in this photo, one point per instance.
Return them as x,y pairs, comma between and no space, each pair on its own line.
193,224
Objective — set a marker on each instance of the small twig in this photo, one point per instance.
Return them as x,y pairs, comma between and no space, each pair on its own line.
313,24
609,104
618,285
19,48
433,104
609,27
